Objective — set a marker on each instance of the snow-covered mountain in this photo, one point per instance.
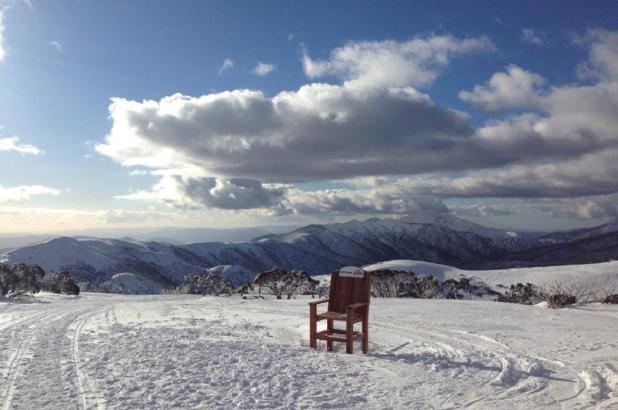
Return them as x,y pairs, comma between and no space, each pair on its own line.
317,249
95,260
578,234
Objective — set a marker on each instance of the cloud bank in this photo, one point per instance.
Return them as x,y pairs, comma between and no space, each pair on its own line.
241,149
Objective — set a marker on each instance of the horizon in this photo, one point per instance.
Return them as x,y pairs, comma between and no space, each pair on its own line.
227,115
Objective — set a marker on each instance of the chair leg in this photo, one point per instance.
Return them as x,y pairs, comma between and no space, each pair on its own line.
349,329
313,341
329,327
366,333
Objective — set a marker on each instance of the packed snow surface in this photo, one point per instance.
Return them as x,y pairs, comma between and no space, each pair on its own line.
173,351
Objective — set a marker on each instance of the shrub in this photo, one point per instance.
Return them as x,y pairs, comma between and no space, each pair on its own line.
282,282
209,284
422,287
390,283
19,279
611,299
560,300
60,282
559,295
521,293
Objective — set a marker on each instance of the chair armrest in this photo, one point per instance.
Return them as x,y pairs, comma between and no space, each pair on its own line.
318,302
357,305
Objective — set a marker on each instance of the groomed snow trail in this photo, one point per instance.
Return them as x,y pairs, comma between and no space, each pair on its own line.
111,351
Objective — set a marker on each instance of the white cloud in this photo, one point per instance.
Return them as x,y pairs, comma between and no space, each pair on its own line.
263,69
12,144
55,44
24,192
531,37
379,64
240,149
515,88
602,60
227,65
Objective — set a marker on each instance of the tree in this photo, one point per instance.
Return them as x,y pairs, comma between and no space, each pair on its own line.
282,282
60,282
524,293
7,279
209,284
20,279
389,283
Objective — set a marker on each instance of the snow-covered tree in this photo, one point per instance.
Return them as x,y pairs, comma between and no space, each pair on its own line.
20,279
209,284
60,282
282,282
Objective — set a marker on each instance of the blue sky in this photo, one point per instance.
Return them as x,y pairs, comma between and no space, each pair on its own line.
64,60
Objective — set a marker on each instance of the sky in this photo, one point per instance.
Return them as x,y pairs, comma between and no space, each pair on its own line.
246,113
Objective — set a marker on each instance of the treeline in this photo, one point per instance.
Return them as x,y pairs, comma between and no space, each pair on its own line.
278,282
23,278
399,284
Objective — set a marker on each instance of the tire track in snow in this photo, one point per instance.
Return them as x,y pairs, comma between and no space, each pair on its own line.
86,391
514,369
14,368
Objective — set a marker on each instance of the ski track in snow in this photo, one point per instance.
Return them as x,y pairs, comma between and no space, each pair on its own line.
112,351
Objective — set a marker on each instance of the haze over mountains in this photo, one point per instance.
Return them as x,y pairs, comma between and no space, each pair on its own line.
318,249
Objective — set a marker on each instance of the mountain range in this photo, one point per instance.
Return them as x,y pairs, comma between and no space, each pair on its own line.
318,249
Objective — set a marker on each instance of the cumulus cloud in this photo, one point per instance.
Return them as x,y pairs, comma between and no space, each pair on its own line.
12,144
241,149
515,88
263,69
531,37
602,60
319,132
24,192
227,65
378,64
233,193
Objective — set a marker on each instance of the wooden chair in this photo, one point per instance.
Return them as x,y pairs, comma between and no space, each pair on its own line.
348,301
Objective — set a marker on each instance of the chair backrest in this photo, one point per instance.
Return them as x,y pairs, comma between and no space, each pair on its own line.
348,285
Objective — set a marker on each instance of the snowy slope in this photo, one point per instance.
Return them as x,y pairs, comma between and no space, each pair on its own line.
236,275
131,284
117,352
97,259
597,275
577,234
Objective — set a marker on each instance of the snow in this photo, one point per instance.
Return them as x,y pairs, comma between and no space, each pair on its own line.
132,284
178,351
236,275
600,276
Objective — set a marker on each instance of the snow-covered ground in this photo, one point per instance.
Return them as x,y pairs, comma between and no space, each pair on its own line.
174,351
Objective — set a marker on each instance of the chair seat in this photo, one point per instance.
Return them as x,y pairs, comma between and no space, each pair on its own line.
339,316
